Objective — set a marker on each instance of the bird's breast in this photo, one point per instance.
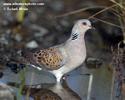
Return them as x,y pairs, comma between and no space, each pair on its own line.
75,55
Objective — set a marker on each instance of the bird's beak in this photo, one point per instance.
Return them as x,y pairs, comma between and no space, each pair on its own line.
91,27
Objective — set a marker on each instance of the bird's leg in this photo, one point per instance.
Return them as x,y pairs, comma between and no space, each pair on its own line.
58,78
64,78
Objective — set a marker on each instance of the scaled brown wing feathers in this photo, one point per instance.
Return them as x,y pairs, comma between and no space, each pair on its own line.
30,58
47,59
50,58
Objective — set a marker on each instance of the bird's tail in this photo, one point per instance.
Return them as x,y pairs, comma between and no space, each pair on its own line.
18,59
27,58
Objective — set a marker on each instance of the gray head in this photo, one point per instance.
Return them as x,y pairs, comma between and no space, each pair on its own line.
80,27
83,25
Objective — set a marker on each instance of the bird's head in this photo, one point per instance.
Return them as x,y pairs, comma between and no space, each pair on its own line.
79,29
83,25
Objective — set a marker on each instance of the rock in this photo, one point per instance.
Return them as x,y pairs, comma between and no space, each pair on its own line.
38,34
8,31
64,23
18,37
3,40
32,44
4,22
6,93
15,67
93,63
40,30
30,16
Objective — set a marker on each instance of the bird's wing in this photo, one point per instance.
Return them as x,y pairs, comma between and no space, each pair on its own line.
18,59
28,58
48,59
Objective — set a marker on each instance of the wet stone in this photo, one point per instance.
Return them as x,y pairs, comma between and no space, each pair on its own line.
39,30
6,93
1,74
15,66
32,44
18,37
93,63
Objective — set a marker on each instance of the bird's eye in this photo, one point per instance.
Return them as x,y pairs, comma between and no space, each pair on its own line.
84,23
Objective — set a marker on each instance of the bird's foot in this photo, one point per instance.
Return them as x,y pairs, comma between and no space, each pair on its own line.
64,78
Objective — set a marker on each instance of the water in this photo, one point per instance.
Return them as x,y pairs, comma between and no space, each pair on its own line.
76,80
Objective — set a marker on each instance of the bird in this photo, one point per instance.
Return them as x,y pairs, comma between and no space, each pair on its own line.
63,58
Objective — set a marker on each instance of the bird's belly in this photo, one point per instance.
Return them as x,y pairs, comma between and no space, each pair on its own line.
74,63
74,58
70,65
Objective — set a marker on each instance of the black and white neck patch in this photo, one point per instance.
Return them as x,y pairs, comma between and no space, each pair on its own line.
74,36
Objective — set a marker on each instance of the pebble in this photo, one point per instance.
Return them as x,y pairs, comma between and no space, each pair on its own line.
5,22
8,31
32,44
18,37
64,23
41,31
38,34
93,63
3,40
93,60
15,66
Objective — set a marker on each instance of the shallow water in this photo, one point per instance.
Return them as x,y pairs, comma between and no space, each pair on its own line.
76,80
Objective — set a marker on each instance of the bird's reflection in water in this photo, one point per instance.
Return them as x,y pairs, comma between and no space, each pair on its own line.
49,91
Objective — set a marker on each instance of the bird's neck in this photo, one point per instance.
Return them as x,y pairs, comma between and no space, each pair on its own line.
77,35
77,45
76,42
